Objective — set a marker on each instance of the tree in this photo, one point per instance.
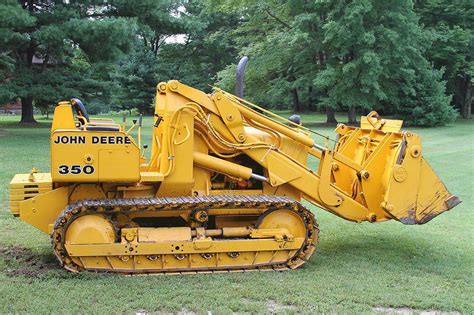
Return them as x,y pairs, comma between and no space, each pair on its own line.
376,62
190,45
48,48
277,55
156,20
304,55
136,79
353,55
451,24
206,47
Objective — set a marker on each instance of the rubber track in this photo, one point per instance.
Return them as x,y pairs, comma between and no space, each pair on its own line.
127,206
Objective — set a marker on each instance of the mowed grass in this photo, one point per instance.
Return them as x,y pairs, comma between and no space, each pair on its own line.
357,267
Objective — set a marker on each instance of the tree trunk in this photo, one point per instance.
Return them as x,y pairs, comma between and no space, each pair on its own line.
296,101
27,102
466,110
27,110
310,98
351,116
330,115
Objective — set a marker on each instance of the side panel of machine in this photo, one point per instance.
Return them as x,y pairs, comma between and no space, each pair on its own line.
42,210
82,156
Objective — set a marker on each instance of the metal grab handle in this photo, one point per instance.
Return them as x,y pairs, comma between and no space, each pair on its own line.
379,122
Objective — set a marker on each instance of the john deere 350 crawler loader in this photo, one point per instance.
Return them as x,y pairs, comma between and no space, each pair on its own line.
222,188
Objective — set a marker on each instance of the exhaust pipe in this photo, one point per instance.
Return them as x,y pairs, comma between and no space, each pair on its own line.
239,77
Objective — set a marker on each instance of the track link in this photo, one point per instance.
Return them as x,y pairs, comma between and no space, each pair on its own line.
109,207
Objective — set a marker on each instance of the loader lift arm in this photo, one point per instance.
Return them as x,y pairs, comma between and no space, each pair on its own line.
374,173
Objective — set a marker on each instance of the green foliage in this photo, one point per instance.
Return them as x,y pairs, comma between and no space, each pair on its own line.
101,40
427,103
272,46
191,48
451,24
49,49
135,77
207,47
377,62
391,56
343,54
12,19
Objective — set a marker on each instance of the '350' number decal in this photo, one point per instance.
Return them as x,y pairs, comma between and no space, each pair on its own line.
75,169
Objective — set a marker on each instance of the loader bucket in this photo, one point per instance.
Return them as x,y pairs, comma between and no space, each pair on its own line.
415,194
399,181
396,181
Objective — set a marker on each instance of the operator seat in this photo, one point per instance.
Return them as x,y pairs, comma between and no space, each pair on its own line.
81,111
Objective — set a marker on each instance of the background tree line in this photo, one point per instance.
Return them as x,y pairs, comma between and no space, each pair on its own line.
410,59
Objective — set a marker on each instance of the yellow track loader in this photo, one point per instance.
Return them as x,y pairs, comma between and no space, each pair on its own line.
221,190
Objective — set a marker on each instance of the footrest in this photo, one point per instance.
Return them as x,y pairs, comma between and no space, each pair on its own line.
151,177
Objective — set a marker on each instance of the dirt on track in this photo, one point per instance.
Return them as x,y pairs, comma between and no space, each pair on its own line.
19,261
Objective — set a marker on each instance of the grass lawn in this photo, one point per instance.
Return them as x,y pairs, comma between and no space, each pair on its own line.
357,267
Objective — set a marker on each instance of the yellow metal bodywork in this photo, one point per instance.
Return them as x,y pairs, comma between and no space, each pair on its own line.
220,145
26,186
97,157
43,210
